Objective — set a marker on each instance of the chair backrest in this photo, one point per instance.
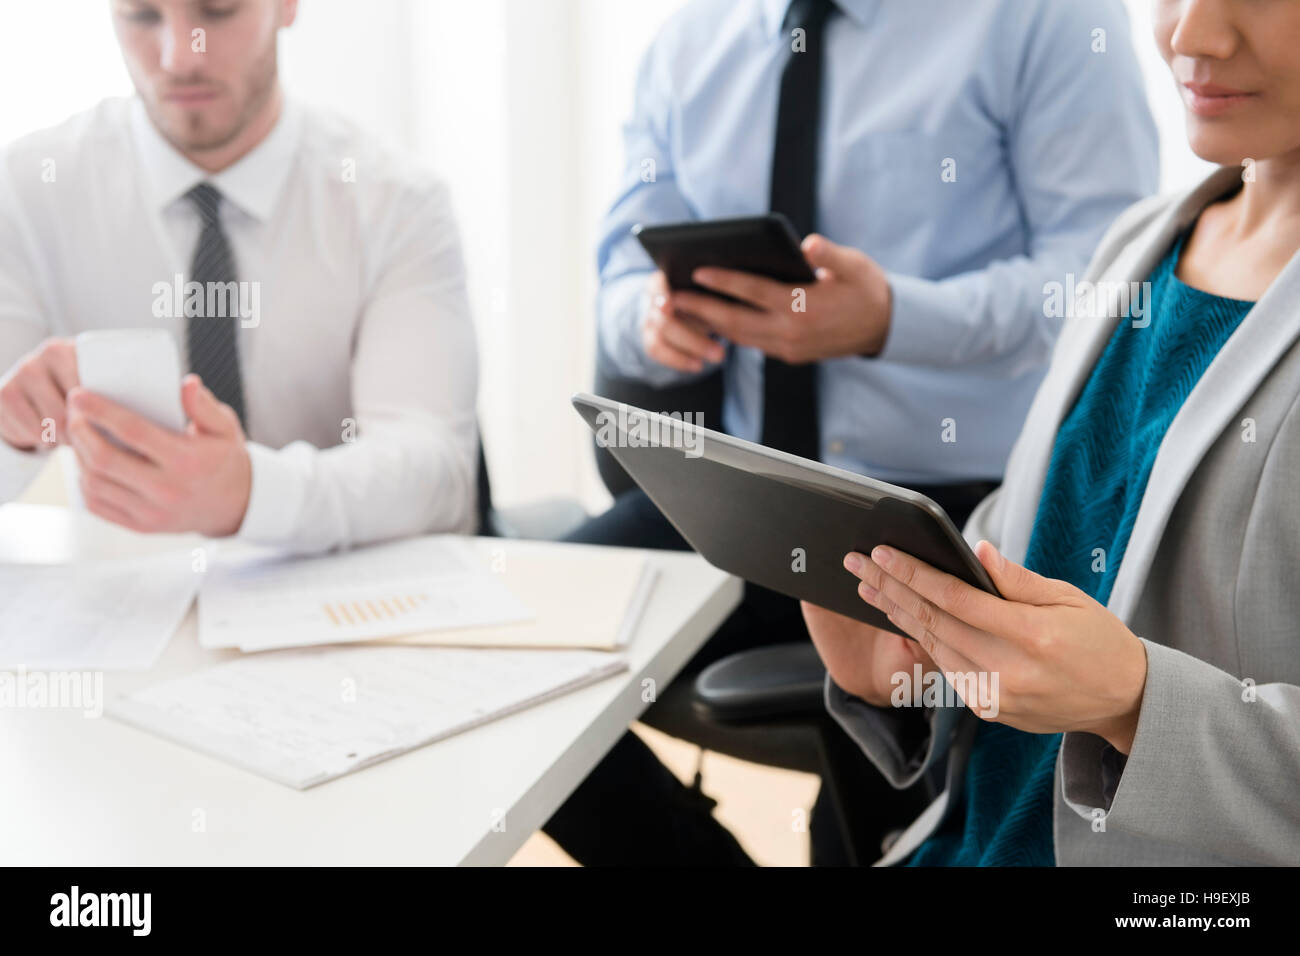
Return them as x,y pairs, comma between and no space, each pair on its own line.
484,493
702,396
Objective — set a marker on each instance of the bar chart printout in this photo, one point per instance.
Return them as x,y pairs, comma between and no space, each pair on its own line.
266,601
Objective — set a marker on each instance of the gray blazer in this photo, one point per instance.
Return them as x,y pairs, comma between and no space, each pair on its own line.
1209,582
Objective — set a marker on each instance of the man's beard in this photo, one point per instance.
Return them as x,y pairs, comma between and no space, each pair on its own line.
193,134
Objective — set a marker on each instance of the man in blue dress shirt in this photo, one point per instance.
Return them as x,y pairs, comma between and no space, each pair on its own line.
947,160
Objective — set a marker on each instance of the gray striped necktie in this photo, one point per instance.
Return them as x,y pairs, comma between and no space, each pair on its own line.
211,339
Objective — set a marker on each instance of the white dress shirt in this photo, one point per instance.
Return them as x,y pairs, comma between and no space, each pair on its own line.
360,375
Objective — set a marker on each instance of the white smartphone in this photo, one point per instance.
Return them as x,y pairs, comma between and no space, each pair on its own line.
137,368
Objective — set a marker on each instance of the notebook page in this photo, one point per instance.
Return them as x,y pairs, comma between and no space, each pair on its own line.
302,717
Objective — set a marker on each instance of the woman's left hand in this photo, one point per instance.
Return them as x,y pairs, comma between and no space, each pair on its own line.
1063,662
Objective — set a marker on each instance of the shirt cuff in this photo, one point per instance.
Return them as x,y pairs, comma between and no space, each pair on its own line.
918,327
1092,771
1112,768
902,742
275,498
621,352
18,468
620,302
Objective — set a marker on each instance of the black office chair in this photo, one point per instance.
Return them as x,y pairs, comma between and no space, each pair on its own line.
547,520
703,397
771,703
766,705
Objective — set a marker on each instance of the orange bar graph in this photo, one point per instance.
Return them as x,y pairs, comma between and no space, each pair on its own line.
363,610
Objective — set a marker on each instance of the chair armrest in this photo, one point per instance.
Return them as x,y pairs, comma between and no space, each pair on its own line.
780,682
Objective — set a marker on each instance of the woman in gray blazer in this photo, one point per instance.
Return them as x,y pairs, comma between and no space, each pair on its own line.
1139,688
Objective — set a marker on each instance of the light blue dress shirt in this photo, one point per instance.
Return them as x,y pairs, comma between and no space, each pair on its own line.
1034,110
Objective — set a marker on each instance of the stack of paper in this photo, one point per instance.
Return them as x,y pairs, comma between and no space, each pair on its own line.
302,717
93,615
579,597
410,586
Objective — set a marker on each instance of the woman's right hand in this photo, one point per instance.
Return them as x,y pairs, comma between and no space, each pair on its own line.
862,659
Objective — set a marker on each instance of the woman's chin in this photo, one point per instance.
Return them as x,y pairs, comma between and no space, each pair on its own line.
1218,145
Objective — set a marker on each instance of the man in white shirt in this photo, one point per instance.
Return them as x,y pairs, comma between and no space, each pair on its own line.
337,401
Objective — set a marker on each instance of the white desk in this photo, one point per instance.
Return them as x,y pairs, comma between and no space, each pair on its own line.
78,791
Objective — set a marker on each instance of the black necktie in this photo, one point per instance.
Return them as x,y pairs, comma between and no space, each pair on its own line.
210,340
790,391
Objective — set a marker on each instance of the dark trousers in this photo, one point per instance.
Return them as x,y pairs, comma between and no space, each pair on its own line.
632,810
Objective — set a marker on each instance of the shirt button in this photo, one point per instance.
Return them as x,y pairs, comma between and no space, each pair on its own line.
836,447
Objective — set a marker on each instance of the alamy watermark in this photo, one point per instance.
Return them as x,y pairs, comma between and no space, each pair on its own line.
75,908
977,690
179,299
633,428
1114,300
70,690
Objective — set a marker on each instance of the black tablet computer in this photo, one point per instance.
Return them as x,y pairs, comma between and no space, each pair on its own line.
772,518
762,245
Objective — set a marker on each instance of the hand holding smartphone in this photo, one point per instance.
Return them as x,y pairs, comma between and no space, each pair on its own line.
137,368
762,245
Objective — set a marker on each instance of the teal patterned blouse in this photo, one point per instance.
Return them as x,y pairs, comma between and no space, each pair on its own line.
1100,464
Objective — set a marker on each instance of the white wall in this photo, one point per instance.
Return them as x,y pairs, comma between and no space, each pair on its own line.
1180,167
520,108
518,103
522,113
56,57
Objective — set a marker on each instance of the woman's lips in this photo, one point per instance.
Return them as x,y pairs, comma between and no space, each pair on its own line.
1208,99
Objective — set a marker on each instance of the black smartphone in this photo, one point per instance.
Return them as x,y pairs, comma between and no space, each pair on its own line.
762,245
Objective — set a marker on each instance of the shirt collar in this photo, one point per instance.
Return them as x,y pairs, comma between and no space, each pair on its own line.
253,183
859,11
